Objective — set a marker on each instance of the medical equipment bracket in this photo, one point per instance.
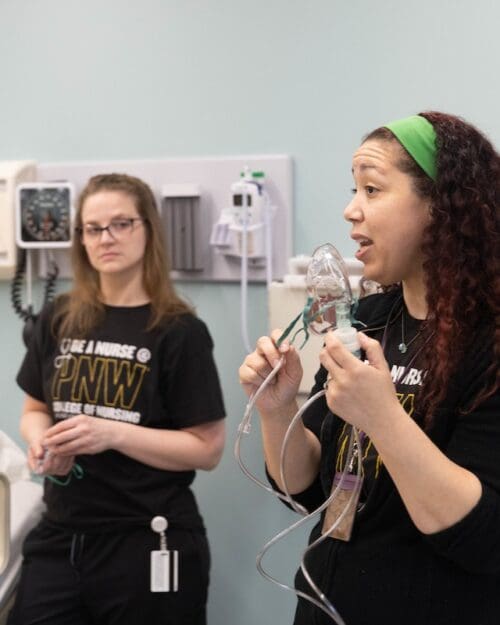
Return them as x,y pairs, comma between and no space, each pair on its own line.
209,180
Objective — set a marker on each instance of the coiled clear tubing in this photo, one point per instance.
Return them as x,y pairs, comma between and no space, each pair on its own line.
327,308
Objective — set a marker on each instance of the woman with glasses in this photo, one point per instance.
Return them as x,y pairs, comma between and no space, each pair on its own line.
123,404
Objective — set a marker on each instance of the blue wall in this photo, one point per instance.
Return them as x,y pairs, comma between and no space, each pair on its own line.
108,79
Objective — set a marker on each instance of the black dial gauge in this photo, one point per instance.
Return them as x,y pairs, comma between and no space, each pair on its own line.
44,214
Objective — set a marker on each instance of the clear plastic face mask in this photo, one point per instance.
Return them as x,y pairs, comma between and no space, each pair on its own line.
329,287
329,295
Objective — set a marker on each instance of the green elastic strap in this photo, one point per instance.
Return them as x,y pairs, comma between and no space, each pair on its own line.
76,471
307,317
418,137
302,315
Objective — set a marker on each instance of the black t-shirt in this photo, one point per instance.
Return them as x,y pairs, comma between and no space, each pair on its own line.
163,378
390,572
407,376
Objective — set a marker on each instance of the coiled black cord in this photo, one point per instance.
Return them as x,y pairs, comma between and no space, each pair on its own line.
26,313
49,290
17,285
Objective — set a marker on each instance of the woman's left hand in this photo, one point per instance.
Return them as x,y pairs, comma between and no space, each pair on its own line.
78,435
361,395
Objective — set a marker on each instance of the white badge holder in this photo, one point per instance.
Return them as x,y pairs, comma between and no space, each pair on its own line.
164,562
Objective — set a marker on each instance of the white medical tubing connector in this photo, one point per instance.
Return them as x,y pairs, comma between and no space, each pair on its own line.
330,300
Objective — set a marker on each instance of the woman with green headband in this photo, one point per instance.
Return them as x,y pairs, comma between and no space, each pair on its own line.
424,547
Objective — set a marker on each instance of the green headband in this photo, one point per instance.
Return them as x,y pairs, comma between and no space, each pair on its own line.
418,137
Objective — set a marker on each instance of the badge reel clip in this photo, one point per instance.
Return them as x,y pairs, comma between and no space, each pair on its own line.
164,562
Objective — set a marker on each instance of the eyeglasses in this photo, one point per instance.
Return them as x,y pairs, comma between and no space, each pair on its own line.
117,228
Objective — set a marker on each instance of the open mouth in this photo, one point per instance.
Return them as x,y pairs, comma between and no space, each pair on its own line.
364,244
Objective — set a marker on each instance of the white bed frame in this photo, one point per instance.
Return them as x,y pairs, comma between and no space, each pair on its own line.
21,507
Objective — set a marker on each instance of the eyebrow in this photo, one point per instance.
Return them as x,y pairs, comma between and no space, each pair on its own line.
119,216
365,166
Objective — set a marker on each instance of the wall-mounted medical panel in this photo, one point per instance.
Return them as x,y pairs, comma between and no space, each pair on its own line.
192,195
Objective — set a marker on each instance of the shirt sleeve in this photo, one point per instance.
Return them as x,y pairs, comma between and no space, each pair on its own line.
30,375
310,498
190,382
474,542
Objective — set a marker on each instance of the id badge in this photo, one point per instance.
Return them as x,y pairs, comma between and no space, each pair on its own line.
351,487
164,571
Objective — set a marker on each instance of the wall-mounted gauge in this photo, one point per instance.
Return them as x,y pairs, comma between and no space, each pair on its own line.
44,214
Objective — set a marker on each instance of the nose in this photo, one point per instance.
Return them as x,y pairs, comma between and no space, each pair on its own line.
106,235
353,211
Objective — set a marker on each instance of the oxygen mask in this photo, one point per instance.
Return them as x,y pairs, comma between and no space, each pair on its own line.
329,295
329,289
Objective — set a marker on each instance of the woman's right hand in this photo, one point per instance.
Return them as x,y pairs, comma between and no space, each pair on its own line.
35,421
36,455
43,463
283,389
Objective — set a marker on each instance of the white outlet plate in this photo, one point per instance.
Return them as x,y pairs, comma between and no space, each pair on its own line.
214,176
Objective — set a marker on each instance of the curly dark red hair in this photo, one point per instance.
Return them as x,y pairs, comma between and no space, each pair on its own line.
461,250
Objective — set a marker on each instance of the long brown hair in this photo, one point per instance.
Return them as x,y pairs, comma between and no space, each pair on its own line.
461,252
80,310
